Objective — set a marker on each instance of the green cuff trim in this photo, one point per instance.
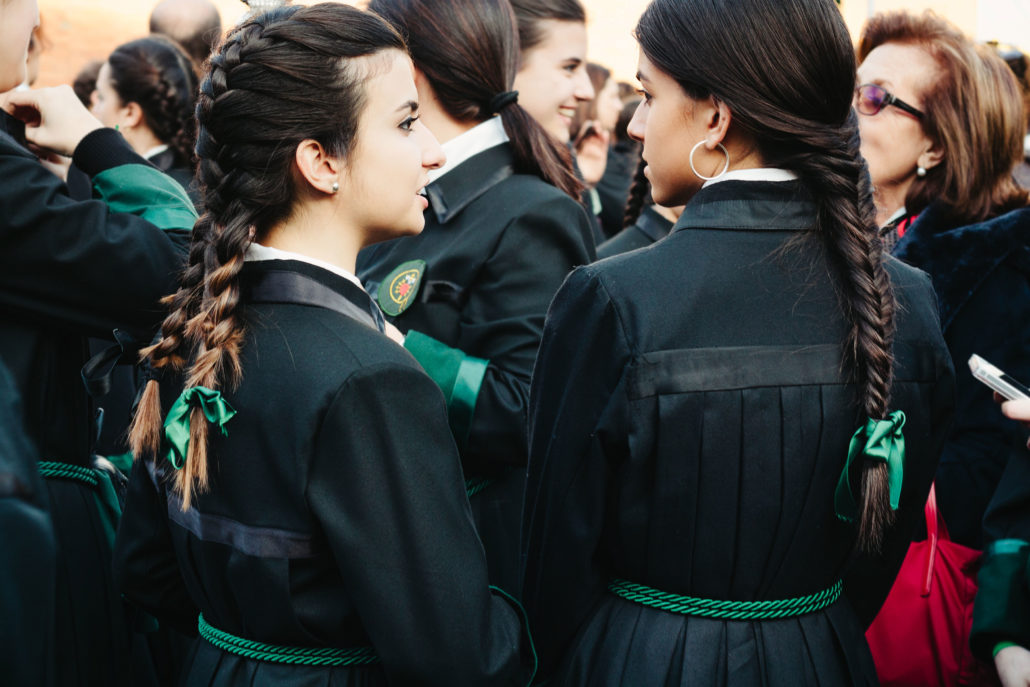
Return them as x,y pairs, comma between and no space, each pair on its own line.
1002,547
144,191
458,375
1002,645
1002,597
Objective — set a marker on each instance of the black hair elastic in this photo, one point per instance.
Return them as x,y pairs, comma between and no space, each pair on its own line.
503,100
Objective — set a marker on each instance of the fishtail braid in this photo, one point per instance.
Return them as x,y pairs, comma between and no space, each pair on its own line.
837,173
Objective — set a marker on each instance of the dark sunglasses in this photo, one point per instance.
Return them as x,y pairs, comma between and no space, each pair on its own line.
870,99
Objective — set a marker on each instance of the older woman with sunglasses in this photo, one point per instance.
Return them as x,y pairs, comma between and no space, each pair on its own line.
942,128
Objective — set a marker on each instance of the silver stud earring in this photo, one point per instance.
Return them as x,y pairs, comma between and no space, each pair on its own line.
920,171
336,184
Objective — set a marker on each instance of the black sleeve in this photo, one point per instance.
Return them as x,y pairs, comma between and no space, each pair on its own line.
145,566
575,396
386,486
504,321
80,264
1002,608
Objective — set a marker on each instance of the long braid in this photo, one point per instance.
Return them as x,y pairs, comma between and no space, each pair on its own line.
838,176
278,79
637,197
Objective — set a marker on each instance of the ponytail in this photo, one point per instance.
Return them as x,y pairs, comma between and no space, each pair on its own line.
537,153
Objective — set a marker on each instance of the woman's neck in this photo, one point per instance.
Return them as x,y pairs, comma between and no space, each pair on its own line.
314,230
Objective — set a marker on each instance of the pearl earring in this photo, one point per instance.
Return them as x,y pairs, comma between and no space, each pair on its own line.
920,171
336,186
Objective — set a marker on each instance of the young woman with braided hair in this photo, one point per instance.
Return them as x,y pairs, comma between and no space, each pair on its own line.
502,232
147,90
297,496
698,494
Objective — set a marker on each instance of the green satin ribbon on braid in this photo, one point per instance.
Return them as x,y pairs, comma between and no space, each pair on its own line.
879,440
177,424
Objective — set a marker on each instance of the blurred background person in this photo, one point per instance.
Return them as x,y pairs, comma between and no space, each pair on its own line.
85,82
921,83
593,131
147,90
193,24
643,223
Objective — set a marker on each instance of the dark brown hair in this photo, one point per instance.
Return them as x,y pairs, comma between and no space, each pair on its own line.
973,112
530,12
468,50
786,70
587,110
157,75
280,78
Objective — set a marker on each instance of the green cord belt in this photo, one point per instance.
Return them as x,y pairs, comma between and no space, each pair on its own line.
76,473
295,655
476,484
727,610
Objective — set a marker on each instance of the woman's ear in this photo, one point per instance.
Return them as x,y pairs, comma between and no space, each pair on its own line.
319,169
133,115
931,157
718,121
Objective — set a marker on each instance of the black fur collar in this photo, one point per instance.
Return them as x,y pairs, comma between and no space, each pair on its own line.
959,259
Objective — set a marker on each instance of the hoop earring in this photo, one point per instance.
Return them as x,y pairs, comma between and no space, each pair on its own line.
702,176
920,171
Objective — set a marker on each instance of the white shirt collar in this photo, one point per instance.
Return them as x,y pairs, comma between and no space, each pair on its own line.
757,174
474,141
156,150
898,214
256,253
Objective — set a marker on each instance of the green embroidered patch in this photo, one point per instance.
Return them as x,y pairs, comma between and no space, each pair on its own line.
400,286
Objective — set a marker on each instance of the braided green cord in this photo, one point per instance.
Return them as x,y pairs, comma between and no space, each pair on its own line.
76,473
476,484
727,610
294,655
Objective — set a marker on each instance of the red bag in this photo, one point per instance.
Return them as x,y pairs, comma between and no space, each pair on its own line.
921,635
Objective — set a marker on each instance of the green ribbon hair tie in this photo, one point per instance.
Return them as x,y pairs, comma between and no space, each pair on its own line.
879,440
177,424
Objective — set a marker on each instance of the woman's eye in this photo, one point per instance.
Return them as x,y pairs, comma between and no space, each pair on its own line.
408,123
644,94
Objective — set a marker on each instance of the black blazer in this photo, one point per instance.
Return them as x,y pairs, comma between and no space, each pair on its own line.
336,514
497,245
689,424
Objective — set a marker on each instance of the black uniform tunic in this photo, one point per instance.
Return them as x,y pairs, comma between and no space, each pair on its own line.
336,515
28,559
648,228
68,270
688,428
497,246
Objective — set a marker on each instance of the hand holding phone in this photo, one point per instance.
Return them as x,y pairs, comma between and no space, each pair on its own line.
1004,384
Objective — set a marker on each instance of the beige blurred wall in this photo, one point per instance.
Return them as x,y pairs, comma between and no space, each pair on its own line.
89,29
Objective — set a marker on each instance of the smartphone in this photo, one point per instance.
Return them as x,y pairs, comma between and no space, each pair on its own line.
1007,386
